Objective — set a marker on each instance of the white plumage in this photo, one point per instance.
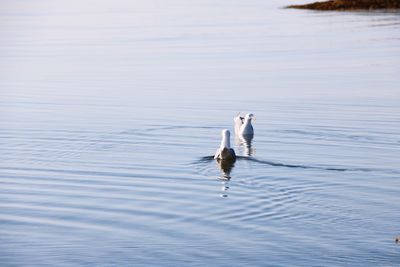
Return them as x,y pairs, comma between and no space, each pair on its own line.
225,152
243,125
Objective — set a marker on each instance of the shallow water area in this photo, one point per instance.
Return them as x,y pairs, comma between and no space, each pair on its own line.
110,114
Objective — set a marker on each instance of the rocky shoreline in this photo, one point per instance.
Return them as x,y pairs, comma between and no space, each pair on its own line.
344,5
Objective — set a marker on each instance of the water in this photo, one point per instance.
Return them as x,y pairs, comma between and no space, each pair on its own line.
110,112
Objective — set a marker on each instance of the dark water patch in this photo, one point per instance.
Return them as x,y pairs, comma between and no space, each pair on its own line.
295,166
206,159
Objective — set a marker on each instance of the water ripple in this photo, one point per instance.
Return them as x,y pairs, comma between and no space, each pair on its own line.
295,166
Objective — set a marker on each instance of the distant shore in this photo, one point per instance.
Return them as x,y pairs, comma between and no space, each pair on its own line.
351,5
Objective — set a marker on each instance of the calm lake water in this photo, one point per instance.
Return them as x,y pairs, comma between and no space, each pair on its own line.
110,110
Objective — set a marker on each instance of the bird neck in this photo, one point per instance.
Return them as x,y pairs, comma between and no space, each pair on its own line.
225,142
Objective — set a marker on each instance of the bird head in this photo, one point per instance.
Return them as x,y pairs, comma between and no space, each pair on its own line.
250,116
225,133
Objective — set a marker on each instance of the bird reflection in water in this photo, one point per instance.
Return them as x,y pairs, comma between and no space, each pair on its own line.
226,167
244,142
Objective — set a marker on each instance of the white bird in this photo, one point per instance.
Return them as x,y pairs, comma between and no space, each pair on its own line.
243,124
225,152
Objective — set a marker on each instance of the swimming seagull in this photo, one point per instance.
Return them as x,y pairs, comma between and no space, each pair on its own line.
243,124
225,152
